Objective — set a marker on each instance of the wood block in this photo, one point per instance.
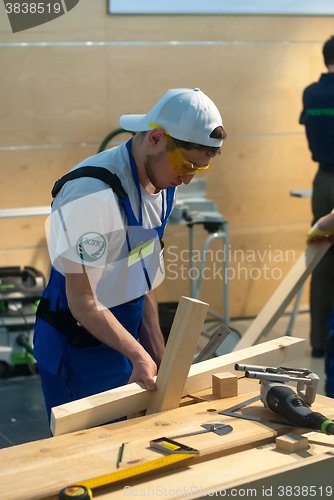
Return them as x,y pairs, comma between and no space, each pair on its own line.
179,354
291,443
224,385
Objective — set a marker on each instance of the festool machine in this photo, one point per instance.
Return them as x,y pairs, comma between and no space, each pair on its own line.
20,291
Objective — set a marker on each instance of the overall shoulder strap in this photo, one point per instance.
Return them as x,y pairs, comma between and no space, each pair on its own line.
95,172
170,200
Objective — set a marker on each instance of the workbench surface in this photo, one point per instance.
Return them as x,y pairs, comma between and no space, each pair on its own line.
39,470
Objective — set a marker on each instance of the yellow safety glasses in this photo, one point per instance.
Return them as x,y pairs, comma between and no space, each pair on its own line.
176,159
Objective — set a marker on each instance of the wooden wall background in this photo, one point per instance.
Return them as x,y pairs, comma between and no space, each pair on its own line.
60,97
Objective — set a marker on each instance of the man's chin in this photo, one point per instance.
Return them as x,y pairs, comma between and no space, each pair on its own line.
160,188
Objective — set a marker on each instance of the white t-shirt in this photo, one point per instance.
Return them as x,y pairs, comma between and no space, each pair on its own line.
88,226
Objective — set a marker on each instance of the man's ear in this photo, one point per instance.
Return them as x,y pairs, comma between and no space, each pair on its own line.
155,138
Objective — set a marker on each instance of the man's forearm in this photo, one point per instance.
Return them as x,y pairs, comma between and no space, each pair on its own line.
101,323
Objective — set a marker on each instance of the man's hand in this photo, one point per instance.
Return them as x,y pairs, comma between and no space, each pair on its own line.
144,371
322,230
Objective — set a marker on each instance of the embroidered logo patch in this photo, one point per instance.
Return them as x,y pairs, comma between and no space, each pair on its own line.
91,247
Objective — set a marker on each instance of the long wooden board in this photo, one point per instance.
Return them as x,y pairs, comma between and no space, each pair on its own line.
131,398
282,297
40,469
255,473
179,354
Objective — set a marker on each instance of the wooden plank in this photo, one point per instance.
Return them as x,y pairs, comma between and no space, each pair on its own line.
273,353
254,473
98,409
179,354
39,469
288,288
131,398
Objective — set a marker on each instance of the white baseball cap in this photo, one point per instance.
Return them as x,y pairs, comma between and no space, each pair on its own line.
186,114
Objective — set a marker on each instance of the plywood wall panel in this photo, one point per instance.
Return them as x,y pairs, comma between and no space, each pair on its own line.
27,176
52,95
22,232
257,87
66,95
89,21
252,178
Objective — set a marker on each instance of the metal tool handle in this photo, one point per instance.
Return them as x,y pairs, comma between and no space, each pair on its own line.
308,391
216,340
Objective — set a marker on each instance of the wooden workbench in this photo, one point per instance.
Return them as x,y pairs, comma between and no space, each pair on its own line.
244,459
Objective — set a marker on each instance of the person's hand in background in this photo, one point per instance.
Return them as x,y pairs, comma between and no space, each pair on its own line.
322,230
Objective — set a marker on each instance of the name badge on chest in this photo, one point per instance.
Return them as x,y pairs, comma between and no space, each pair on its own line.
140,252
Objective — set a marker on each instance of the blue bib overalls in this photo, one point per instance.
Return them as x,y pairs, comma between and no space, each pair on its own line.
72,370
